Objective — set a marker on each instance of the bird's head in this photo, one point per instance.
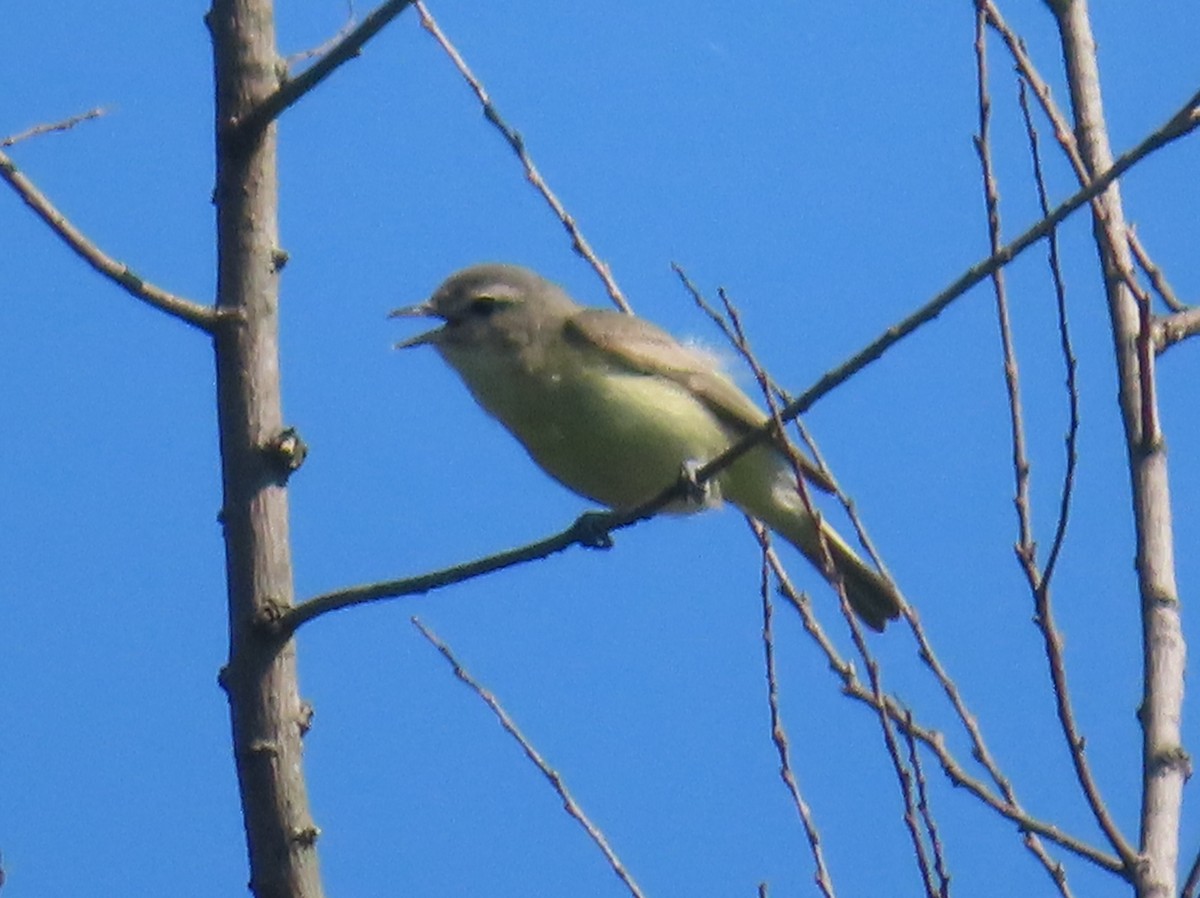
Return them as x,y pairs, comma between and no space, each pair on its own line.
485,303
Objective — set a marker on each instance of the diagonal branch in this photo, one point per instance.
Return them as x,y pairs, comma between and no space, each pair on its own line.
292,89
556,781
514,139
1183,122
1070,146
590,530
1161,285
596,527
199,316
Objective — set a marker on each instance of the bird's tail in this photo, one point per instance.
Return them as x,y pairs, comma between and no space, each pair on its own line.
872,596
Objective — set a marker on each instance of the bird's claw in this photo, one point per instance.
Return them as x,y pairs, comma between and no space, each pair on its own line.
593,530
694,492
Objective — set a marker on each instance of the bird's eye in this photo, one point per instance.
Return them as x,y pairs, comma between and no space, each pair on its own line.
483,307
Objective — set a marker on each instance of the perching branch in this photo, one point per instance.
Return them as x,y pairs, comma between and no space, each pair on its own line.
1183,122
1177,126
590,530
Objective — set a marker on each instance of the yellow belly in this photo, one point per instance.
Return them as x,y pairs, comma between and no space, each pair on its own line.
614,436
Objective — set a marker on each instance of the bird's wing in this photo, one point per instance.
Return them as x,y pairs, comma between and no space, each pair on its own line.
640,346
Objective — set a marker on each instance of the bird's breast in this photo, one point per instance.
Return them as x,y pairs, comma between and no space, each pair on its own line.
616,436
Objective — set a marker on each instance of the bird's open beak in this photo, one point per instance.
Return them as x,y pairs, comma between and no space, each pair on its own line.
420,310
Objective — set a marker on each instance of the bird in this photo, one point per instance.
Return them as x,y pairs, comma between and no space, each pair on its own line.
615,408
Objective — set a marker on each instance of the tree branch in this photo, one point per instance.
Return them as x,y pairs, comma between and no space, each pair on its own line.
779,737
1171,329
854,688
1039,581
293,88
52,127
1183,122
267,717
555,779
193,313
1165,763
1161,285
590,530
578,242
1066,140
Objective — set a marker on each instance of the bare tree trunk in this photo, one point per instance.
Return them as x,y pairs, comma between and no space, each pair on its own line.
1165,764
268,718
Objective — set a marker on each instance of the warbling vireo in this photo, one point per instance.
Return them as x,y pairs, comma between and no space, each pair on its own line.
614,408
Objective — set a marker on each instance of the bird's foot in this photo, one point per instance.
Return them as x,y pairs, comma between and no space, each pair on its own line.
593,529
695,493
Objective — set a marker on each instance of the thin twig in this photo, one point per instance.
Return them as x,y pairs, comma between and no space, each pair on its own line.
1068,352
64,125
881,703
552,776
1193,879
1062,129
1159,280
1025,547
826,479
904,775
926,650
914,820
854,688
1012,382
1181,123
200,316
325,46
578,242
293,88
927,818
779,737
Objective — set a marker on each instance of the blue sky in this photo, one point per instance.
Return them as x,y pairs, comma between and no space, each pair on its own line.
815,159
